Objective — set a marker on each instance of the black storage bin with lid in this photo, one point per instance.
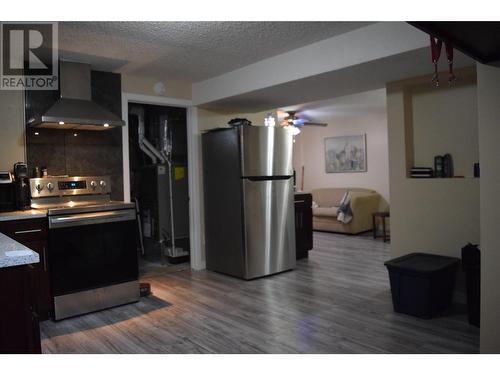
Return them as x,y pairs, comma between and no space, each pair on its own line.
422,284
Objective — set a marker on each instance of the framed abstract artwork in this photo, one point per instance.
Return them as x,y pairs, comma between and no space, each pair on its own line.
345,154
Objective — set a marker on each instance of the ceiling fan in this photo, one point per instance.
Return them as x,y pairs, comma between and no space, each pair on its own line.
293,119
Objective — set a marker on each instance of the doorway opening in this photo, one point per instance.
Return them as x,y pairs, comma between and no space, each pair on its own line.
158,163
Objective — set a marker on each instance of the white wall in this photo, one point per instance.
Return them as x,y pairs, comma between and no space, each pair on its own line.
12,145
310,152
488,96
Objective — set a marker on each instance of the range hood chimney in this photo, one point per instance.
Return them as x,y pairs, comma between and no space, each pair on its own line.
75,108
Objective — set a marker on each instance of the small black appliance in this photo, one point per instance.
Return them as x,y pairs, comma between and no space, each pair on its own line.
20,170
22,186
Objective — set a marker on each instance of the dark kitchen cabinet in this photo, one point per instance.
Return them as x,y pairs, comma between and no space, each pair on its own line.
19,328
32,233
303,224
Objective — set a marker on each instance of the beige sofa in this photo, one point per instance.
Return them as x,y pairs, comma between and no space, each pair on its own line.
327,201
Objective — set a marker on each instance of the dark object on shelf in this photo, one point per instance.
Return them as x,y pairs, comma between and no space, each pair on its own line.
383,216
438,166
32,233
447,166
239,121
19,328
422,284
476,170
418,172
145,289
471,263
303,224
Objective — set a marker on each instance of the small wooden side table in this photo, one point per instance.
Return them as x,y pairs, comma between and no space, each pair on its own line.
382,215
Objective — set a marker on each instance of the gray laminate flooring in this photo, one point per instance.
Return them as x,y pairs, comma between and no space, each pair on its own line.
337,301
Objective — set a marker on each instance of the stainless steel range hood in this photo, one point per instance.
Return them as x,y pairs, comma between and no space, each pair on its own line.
75,108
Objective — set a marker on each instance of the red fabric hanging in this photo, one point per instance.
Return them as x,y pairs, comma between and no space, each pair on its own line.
436,45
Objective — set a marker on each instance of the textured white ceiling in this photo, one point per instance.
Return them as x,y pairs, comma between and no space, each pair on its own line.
187,51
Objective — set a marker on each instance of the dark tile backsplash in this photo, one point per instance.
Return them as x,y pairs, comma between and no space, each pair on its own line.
90,153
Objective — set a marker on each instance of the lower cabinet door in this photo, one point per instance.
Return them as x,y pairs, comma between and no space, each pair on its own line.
40,281
19,329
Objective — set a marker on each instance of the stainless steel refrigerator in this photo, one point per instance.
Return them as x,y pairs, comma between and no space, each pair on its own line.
249,209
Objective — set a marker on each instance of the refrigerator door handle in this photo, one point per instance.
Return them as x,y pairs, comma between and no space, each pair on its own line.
267,178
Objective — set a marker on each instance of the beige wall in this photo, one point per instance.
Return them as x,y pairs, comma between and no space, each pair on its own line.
309,151
430,215
488,96
445,121
12,146
145,86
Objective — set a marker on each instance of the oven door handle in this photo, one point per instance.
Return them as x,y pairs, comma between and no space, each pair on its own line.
91,218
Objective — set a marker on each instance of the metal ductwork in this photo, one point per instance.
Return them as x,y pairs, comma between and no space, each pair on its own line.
75,108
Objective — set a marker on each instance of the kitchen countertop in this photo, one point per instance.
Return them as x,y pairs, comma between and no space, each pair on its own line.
21,215
12,253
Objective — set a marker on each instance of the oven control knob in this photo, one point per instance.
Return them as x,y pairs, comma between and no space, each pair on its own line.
93,185
39,187
50,187
102,184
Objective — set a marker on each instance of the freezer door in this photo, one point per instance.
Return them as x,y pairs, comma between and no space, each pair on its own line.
269,227
266,151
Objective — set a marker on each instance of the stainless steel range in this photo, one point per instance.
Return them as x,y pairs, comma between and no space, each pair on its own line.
92,251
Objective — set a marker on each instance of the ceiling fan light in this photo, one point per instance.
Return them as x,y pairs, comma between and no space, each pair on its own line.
269,120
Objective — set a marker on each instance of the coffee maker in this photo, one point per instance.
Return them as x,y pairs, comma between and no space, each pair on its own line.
22,186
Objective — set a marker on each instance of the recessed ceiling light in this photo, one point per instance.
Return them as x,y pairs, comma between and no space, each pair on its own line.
106,125
61,122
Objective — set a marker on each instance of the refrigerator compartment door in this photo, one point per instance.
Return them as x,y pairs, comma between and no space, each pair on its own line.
270,226
267,151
